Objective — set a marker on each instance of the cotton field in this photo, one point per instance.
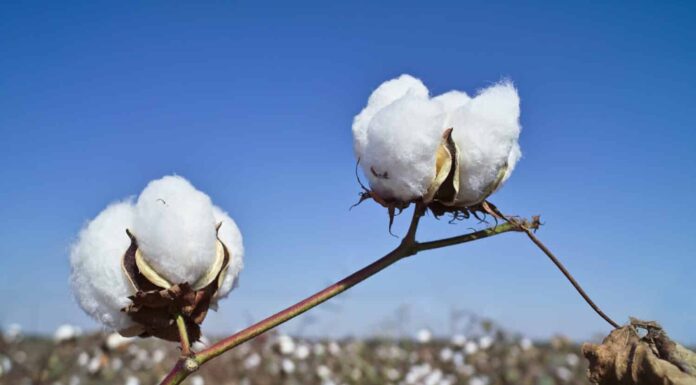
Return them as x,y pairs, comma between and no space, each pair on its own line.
481,354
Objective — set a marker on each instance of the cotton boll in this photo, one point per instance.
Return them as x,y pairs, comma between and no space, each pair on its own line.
97,280
486,130
175,229
399,142
175,241
387,93
231,237
66,333
402,139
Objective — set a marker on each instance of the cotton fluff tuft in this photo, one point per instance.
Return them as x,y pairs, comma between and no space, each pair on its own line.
397,134
400,151
384,95
231,237
486,130
97,280
175,229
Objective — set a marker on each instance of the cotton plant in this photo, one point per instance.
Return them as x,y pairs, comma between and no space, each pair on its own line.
154,265
450,151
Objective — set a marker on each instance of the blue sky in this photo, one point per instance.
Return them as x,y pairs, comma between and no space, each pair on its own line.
253,102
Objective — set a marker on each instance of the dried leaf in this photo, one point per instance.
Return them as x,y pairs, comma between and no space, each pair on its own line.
624,358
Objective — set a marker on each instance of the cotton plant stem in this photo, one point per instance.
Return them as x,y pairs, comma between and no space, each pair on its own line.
403,250
183,336
503,228
408,247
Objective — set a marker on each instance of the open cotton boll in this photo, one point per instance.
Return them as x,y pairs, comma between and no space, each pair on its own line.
97,279
486,130
402,139
231,237
170,253
175,229
387,93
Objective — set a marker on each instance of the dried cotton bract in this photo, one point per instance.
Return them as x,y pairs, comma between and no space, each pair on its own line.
139,264
451,151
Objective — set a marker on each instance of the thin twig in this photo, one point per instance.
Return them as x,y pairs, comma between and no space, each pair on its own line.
408,247
183,336
528,230
570,277
499,229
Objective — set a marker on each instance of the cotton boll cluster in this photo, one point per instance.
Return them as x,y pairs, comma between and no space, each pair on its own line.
401,141
175,229
493,356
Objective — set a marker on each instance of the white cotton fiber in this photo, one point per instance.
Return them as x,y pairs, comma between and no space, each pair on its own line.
384,95
397,134
175,229
452,100
399,157
486,130
97,278
395,138
231,237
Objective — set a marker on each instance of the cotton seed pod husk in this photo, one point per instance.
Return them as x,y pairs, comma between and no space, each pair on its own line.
157,302
624,358
445,185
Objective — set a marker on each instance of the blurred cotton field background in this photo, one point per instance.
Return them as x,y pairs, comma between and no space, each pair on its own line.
478,353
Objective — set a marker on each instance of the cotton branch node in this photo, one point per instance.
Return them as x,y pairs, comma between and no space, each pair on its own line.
451,151
190,365
154,266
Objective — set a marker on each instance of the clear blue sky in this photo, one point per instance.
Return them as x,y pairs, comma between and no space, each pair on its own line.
253,102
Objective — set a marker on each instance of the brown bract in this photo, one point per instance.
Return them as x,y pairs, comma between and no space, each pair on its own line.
624,358
156,303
